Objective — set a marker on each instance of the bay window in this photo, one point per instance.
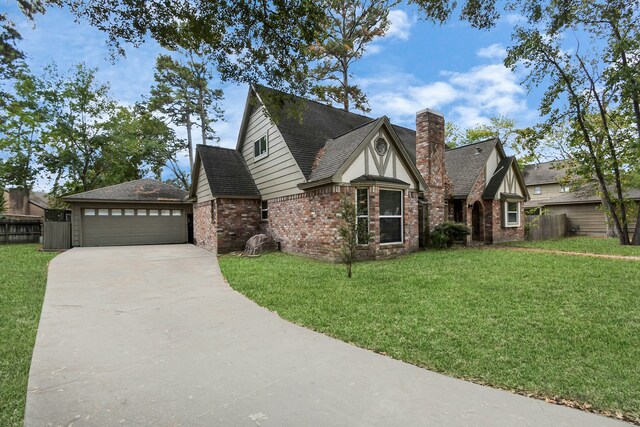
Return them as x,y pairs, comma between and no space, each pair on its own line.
390,216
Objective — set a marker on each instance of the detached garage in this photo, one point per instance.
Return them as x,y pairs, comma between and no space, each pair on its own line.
142,212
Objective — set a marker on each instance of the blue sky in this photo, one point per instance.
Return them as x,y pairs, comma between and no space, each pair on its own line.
453,68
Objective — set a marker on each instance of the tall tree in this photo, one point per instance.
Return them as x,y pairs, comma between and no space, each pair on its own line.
20,132
92,142
183,91
350,27
589,88
250,40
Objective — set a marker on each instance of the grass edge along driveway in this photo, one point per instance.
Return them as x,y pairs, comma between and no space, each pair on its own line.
562,327
23,277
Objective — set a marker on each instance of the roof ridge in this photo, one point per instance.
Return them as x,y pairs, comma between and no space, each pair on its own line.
474,143
115,185
313,100
356,128
544,163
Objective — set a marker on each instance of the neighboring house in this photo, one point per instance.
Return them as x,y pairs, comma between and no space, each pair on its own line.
287,180
543,182
141,212
21,203
583,206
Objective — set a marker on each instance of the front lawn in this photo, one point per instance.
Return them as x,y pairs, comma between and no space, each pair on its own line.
539,323
593,245
23,275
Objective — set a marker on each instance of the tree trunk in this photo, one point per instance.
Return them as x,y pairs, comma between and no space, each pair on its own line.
203,115
189,141
349,269
636,233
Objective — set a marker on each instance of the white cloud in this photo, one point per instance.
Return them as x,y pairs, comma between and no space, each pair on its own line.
372,49
514,18
467,98
400,24
495,50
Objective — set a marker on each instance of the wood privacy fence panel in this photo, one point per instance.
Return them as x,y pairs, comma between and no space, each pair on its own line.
20,231
545,227
57,235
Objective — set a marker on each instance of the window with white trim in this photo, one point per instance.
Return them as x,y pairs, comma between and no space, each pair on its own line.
512,214
564,189
537,190
362,216
260,148
390,216
264,210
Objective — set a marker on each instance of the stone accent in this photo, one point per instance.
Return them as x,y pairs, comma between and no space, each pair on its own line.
430,161
204,226
225,225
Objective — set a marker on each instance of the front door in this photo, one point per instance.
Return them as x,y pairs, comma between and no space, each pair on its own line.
476,222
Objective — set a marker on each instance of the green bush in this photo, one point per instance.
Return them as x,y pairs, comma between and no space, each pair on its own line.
446,233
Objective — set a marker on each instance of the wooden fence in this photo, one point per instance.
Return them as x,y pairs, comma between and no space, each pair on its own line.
57,235
544,227
20,230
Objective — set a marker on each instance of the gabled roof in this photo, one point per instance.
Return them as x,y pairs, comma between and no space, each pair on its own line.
339,149
543,173
464,164
226,171
496,180
141,190
307,133
40,199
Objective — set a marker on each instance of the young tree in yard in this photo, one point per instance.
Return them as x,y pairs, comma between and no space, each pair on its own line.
23,119
350,27
352,232
585,53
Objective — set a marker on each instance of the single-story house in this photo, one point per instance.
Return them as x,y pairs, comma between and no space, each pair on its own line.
141,212
286,178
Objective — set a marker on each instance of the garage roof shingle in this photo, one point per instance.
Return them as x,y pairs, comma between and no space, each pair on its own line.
143,190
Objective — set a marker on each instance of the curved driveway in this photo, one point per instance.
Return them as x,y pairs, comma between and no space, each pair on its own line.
152,335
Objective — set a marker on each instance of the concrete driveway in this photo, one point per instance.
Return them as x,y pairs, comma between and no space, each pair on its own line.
151,335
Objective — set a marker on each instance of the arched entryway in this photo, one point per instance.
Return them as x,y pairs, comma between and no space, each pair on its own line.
477,222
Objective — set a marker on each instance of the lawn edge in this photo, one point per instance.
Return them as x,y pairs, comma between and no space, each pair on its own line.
556,400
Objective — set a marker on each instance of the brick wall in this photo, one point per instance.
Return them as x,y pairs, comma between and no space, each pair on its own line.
237,221
307,224
430,161
204,226
225,225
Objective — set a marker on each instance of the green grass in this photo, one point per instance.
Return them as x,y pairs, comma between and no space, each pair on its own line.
594,245
23,275
540,323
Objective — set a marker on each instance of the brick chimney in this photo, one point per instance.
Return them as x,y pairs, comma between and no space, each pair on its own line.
430,161
18,202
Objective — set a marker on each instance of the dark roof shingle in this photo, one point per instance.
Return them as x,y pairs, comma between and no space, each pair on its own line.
339,149
498,176
227,172
307,133
543,173
465,163
143,190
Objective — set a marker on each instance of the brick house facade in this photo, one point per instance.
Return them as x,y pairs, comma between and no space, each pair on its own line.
287,180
